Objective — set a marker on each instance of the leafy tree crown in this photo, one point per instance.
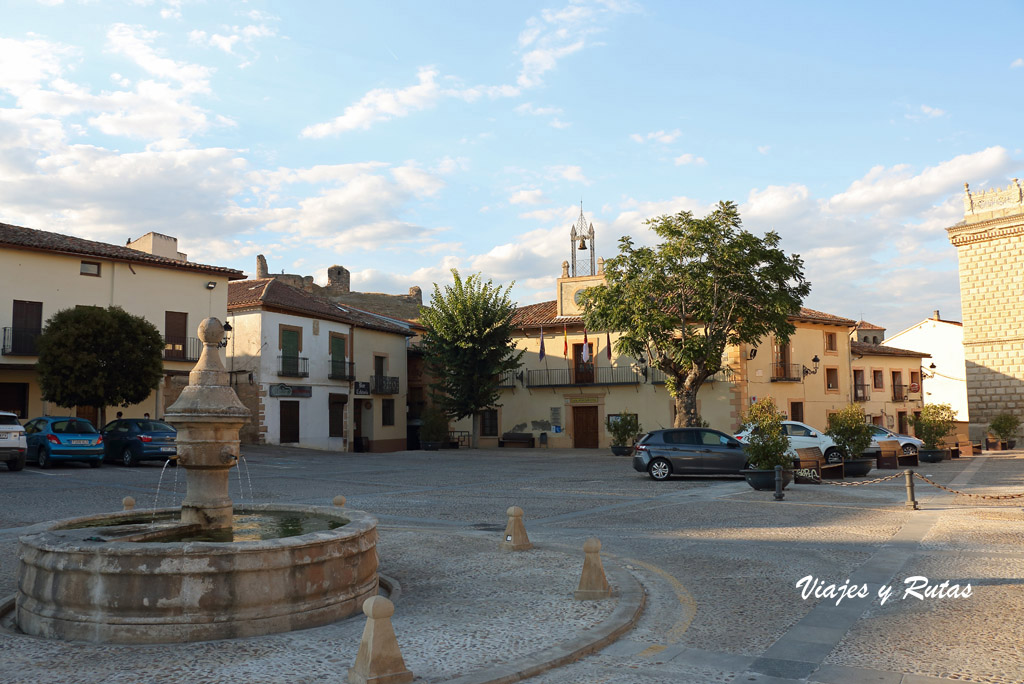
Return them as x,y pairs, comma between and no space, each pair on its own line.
767,443
935,422
850,430
1004,426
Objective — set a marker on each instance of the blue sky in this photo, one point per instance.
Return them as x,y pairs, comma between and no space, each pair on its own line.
401,139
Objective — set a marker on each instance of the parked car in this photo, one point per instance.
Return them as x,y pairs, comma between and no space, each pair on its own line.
130,440
12,441
802,436
63,438
688,451
910,445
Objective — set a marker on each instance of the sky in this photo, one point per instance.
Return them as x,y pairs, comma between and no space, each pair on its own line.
403,139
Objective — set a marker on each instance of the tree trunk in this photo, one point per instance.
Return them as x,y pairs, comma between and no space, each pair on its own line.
474,436
686,409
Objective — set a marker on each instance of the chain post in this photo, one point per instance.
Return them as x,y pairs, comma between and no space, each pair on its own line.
779,496
911,501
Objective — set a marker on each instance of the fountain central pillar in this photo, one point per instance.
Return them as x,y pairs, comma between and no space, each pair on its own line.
208,416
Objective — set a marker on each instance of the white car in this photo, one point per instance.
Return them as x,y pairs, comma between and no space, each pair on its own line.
802,436
12,441
910,445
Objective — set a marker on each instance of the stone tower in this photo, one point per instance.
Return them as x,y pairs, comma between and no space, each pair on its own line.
990,246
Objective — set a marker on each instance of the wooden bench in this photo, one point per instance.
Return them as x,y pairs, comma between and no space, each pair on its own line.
889,456
815,467
525,438
458,438
966,448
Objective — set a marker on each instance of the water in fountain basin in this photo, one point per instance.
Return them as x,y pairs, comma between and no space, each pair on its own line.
246,526
248,476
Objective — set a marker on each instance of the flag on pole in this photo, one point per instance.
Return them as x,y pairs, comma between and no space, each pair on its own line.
542,343
565,349
586,347
608,345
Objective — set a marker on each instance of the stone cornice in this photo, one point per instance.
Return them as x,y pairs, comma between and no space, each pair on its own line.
984,231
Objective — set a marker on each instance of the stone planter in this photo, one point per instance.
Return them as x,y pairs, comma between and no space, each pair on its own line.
764,480
932,455
622,450
858,467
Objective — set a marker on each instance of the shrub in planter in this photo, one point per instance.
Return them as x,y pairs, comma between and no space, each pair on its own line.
767,444
1004,426
935,422
850,430
624,428
433,428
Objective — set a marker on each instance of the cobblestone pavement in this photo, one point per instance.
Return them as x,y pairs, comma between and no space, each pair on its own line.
719,562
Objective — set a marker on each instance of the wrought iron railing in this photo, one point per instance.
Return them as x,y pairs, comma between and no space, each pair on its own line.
342,370
293,366
508,378
724,375
383,384
182,348
583,374
861,392
21,341
899,392
786,372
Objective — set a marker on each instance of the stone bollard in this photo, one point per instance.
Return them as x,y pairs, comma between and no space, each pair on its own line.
593,584
128,503
911,501
379,660
339,501
515,532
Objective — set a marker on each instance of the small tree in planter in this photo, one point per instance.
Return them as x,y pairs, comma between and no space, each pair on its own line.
850,430
433,428
1004,426
766,446
624,429
935,422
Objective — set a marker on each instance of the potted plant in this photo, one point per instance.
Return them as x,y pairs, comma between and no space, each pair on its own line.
1004,426
852,434
433,428
766,446
624,428
931,426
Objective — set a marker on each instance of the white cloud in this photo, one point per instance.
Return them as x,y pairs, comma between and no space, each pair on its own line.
559,124
764,149
527,197
657,136
777,202
135,43
932,112
530,109
235,37
686,159
569,173
1017,63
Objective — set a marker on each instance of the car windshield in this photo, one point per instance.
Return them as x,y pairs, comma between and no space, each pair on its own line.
73,427
9,420
155,426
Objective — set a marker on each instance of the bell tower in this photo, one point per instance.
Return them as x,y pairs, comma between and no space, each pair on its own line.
582,270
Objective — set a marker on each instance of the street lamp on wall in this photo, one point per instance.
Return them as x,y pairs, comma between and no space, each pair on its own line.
815,361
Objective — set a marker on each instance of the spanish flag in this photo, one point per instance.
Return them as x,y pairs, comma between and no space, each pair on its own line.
542,343
565,349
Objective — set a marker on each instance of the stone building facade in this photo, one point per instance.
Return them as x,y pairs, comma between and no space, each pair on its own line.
990,247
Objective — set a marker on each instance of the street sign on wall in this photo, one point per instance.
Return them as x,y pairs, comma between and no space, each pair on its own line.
362,389
297,391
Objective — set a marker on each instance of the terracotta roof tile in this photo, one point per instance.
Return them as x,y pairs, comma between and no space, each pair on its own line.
864,325
258,292
16,237
867,349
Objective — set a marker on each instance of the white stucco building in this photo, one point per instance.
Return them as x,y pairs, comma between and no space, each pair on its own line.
945,383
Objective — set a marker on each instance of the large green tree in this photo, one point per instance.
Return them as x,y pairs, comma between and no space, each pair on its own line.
468,345
90,356
708,284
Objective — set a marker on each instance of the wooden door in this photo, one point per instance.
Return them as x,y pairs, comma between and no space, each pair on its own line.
14,398
289,422
584,369
290,353
584,427
175,334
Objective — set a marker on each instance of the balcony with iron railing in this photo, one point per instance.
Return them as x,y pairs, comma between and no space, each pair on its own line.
342,370
861,392
383,384
21,341
182,348
293,366
787,372
899,392
725,375
583,374
508,378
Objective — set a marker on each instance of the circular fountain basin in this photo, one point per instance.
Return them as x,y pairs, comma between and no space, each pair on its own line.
114,579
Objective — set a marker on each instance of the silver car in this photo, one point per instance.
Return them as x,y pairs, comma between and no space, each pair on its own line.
688,451
910,445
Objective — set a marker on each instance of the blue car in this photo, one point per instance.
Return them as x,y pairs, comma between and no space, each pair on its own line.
63,438
130,440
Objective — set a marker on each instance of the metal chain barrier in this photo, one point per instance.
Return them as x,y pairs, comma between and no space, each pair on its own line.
977,496
863,482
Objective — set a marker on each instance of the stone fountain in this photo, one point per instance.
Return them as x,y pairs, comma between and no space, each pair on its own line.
160,576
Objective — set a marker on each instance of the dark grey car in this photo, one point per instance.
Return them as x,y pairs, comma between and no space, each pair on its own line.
688,451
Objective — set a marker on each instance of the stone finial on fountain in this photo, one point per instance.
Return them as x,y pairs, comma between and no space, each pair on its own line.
208,416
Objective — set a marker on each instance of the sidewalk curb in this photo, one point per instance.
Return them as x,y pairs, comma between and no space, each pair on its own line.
632,599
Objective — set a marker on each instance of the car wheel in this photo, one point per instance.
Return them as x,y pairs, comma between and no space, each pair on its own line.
659,469
43,458
909,449
128,458
96,463
17,464
832,455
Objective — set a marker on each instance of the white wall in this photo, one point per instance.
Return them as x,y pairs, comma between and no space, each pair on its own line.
945,342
